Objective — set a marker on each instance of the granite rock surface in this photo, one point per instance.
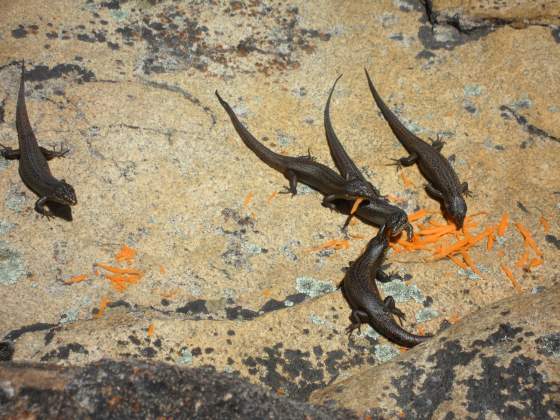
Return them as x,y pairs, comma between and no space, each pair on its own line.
233,275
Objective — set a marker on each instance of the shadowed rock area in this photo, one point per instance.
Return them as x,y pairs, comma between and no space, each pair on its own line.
138,390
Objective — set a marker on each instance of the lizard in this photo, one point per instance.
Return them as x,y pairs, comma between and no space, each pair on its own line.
33,167
361,292
443,182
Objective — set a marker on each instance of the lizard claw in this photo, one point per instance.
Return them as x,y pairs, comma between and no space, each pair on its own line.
396,162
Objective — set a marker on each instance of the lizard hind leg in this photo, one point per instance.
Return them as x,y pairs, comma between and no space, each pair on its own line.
389,304
356,319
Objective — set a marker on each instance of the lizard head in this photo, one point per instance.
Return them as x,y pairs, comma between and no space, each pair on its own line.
457,209
397,222
64,194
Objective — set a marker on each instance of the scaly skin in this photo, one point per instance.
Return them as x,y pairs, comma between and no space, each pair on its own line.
361,292
300,169
443,182
33,167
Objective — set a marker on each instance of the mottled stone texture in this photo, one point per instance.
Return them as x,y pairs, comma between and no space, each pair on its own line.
501,361
137,390
230,277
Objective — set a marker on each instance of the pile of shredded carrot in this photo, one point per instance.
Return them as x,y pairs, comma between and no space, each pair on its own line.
445,241
102,306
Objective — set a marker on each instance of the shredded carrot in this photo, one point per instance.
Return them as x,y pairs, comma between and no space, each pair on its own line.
119,270
535,262
151,329
266,293
271,197
491,239
511,278
545,224
454,318
102,306
332,244
528,238
467,257
162,269
121,282
451,249
443,230
458,262
248,199
421,330
502,226
356,236
126,254
76,279
522,260
486,232
406,182
96,272
356,204
417,215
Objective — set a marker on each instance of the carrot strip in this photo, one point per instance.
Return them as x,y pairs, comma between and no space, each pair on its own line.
271,197
126,254
491,239
76,279
119,270
421,330
545,224
458,262
151,329
502,226
417,215
528,238
467,257
333,243
486,232
355,236
438,230
511,278
522,260
406,182
102,306
535,262
248,199
356,204
453,248
162,269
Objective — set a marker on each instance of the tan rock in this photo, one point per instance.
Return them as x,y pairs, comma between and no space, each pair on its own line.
501,361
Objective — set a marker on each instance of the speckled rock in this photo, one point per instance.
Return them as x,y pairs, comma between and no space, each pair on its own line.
231,276
500,362
475,13
139,390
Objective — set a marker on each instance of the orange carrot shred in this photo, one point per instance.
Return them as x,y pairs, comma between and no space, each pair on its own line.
545,224
248,199
467,257
118,270
271,197
162,269
421,330
522,260
266,293
126,254
356,204
458,262
151,329
76,279
355,236
528,238
511,278
453,248
486,232
502,226
535,262
454,318
491,239
417,215
102,306
406,182
332,244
